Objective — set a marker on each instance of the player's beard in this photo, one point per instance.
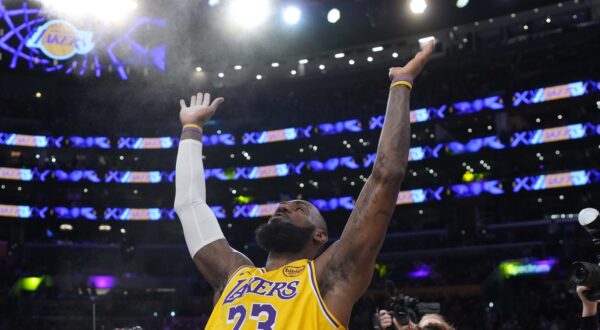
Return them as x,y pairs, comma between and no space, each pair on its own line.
283,237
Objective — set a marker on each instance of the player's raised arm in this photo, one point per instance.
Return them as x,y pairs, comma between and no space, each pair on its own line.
213,256
344,270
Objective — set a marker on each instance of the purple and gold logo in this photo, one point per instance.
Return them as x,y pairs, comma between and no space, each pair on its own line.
60,40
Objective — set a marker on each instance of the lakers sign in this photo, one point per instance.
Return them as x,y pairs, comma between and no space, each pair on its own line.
60,40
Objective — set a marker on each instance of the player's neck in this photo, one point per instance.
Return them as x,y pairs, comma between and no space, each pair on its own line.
278,260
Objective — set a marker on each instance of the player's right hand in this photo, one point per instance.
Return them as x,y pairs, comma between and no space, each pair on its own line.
200,109
412,69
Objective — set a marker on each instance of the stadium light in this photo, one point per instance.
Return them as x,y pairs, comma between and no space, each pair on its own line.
462,3
418,6
249,14
198,69
237,67
31,283
275,64
351,62
66,227
105,10
339,55
259,77
292,15
303,61
377,49
333,15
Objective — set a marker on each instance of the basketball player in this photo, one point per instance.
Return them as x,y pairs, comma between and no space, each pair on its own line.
301,286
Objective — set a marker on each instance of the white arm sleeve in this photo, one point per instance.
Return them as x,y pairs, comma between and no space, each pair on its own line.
200,226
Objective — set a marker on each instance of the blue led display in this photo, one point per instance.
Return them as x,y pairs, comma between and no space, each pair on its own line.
474,145
562,133
469,107
102,142
88,213
539,95
472,189
556,180
352,125
286,134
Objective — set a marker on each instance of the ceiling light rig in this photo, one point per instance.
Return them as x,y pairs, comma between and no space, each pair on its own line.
418,7
292,15
249,14
333,16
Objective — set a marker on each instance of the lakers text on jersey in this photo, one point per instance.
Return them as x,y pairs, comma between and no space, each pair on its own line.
285,298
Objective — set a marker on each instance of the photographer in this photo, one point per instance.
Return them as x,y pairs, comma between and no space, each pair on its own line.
589,314
427,322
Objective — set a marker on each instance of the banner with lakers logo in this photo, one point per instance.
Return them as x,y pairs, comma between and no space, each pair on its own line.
33,37
61,40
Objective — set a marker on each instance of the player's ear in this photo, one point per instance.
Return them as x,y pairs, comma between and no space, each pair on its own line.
320,236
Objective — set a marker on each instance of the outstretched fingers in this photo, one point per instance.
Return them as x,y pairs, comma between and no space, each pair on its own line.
427,51
217,102
206,100
182,104
199,98
418,62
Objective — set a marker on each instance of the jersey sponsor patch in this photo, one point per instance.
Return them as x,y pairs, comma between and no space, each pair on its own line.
293,271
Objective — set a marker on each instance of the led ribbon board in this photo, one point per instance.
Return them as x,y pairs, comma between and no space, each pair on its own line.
492,187
152,214
41,141
35,40
512,268
556,180
146,143
555,134
540,136
15,211
19,174
540,95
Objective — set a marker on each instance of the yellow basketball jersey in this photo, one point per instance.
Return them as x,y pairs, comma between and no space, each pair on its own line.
285,298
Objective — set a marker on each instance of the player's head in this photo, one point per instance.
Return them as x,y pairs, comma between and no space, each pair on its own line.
297,226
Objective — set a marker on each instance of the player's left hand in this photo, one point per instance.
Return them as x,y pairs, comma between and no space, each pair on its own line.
200,110
412,69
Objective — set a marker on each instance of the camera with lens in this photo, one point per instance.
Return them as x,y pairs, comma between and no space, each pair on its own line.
404,308
585,273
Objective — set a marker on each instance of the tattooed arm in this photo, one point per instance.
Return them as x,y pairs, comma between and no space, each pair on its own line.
344,270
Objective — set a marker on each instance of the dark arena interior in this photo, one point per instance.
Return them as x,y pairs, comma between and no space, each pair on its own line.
504,152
